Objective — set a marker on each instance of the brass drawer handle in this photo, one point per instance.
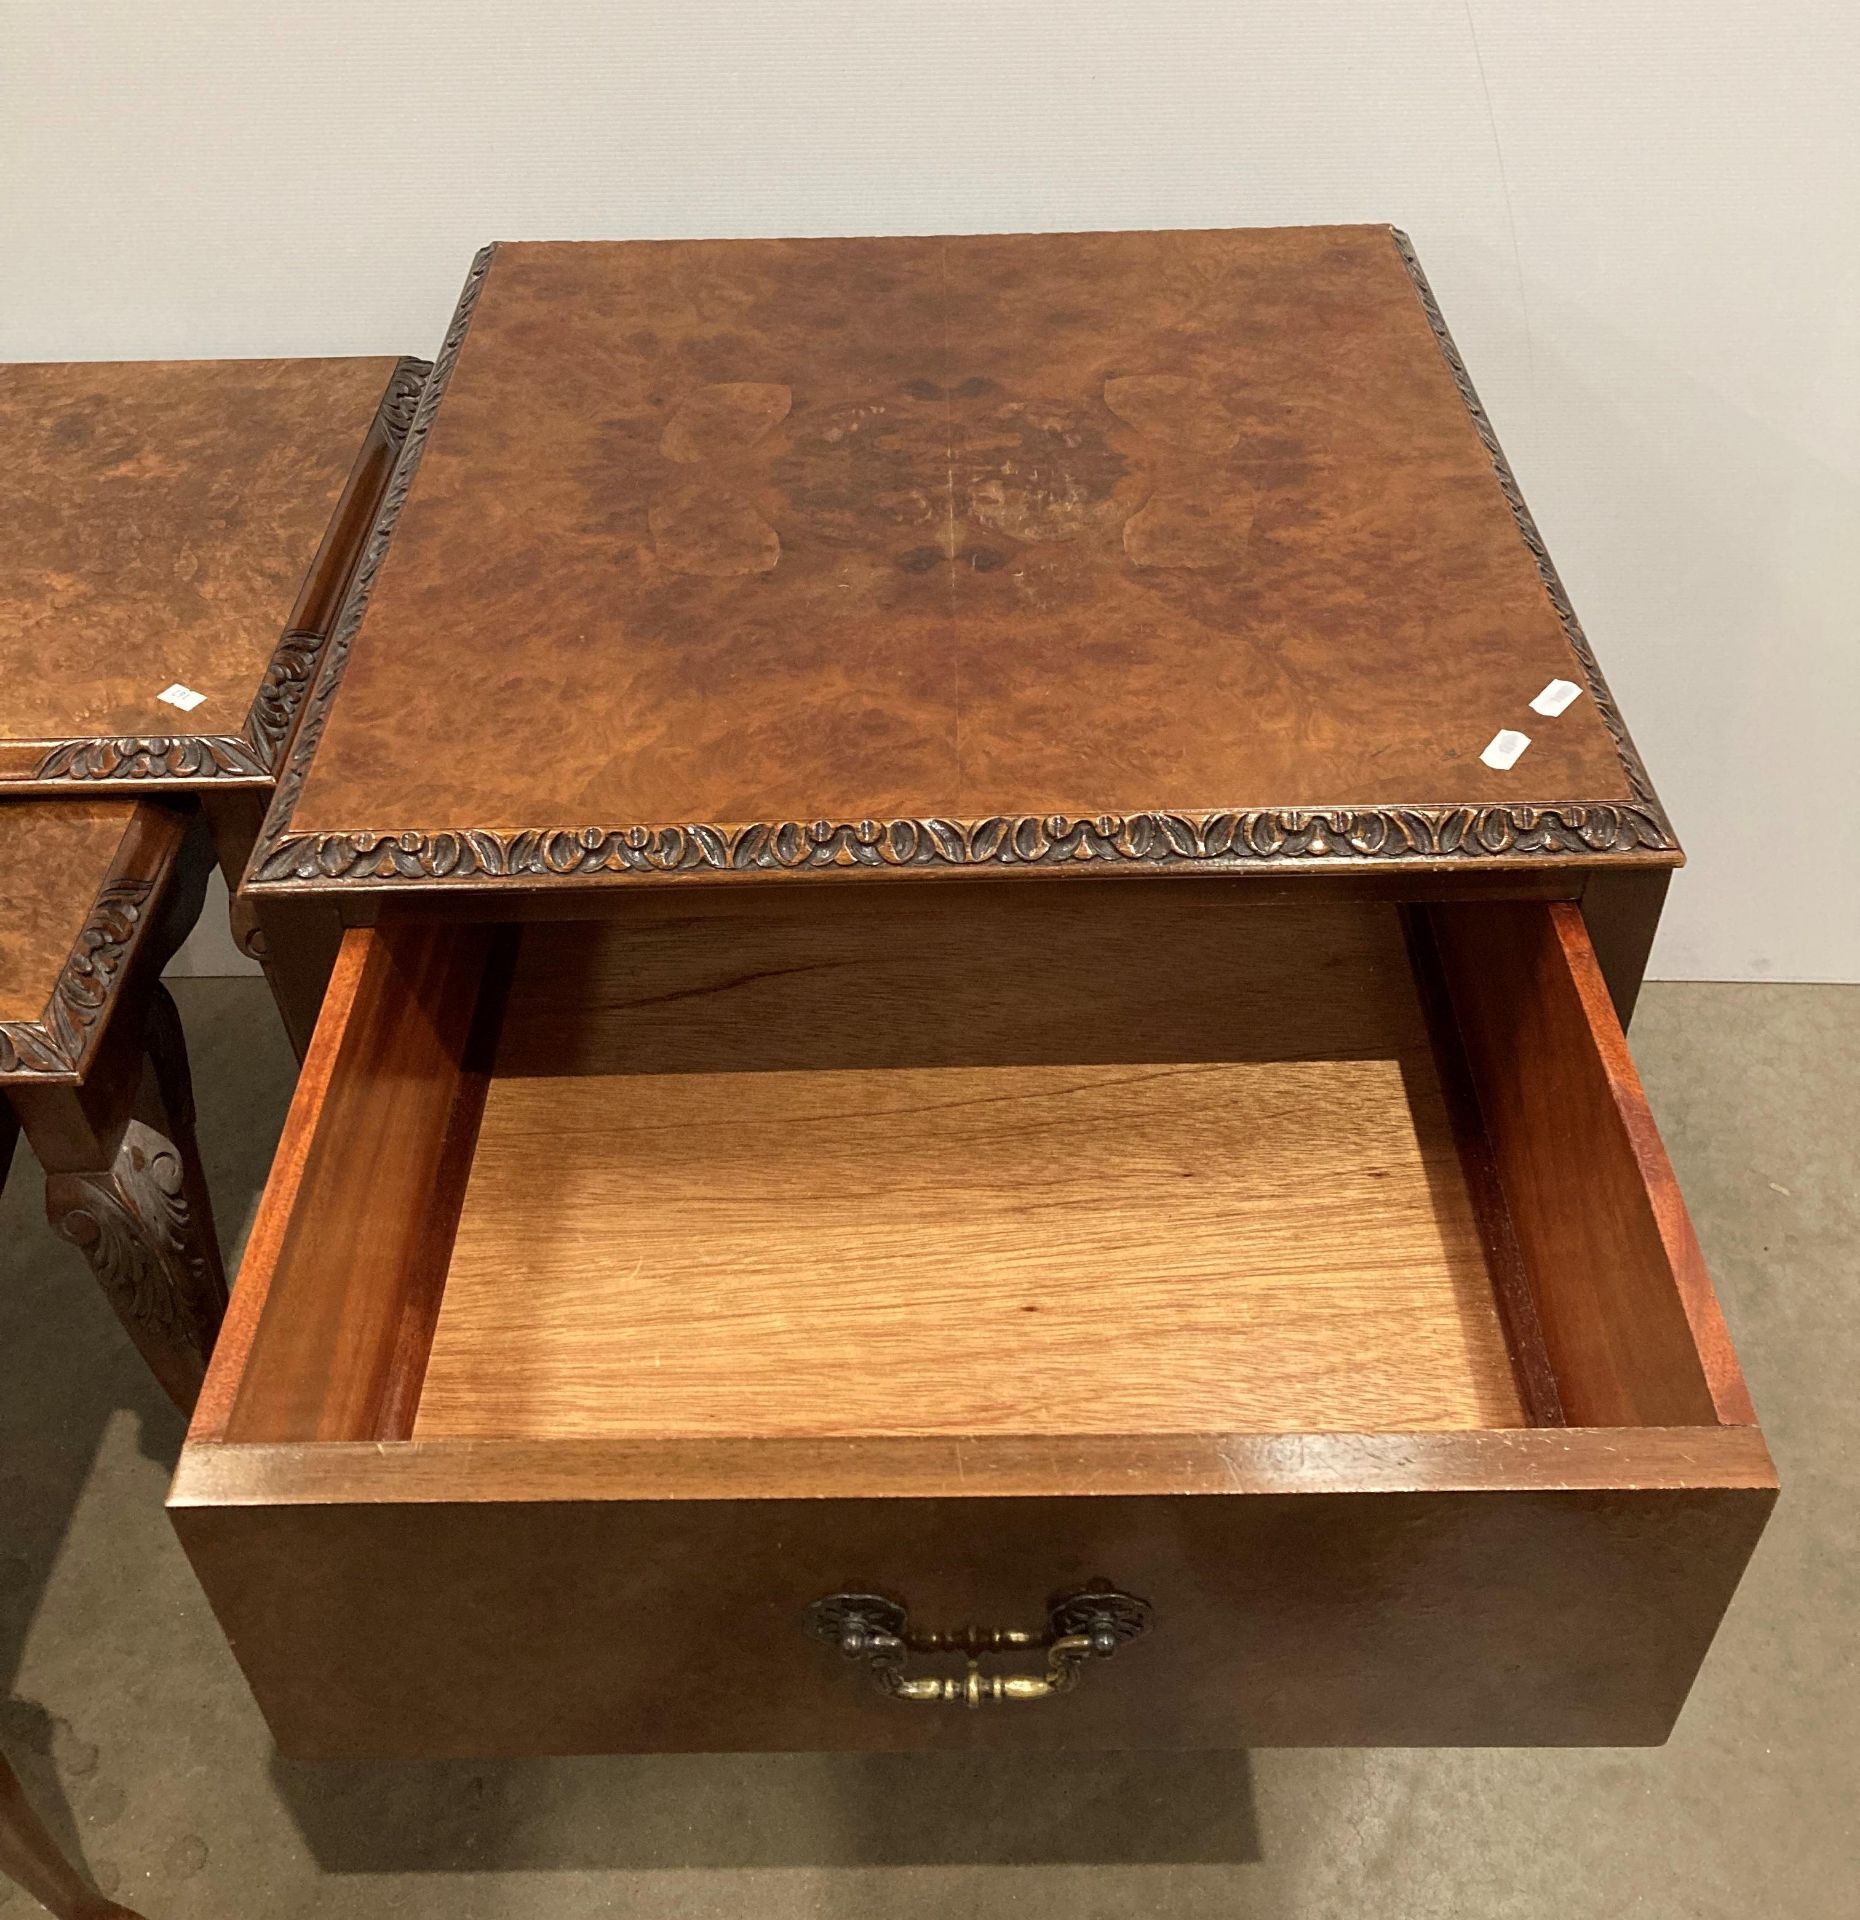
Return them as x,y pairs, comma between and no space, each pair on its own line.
866,1626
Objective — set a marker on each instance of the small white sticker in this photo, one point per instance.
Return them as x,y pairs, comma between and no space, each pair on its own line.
179,696
1505,749
1555,697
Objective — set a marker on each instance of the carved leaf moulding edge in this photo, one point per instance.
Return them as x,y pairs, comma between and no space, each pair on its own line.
56,1045
252,753
1221,839
180,756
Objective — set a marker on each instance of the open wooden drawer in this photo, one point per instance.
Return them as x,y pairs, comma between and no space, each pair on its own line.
1312,1276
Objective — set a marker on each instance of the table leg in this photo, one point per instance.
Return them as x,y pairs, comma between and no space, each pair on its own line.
139,1212
123,1180
296,945
30,1858
1622,912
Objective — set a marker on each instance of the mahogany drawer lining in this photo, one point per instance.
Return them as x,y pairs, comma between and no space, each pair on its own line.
349,1269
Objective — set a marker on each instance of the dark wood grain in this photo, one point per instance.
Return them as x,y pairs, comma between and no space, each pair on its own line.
296,943
1294,1602
160,518
1285,884
1629,1319
361,1257
326,583
923,554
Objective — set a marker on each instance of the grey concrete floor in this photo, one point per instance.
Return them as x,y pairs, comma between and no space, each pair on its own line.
128,1720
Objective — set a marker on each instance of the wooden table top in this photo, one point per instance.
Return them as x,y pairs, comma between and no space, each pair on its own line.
162,520
80,881
1106,550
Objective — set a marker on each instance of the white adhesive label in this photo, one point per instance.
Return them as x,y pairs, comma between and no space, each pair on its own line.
1506,747
1555,697
179,696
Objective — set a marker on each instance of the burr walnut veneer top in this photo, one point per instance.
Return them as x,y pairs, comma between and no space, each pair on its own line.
868,531
157,521
54,859
81,882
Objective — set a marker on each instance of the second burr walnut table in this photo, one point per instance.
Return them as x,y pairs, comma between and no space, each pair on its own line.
979,1060
178,537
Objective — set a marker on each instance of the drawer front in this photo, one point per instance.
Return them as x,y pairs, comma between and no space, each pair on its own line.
622,1294
383,1625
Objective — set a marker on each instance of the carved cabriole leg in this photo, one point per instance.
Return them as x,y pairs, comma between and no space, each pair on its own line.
146,1227
30,1858
142,1218
165,1118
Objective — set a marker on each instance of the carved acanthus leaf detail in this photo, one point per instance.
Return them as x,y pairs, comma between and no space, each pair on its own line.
135,1227
185,757
25,1047
286,681
56,1042
402,399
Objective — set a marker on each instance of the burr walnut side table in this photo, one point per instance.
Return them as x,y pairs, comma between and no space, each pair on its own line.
979,1059
178,537
98,893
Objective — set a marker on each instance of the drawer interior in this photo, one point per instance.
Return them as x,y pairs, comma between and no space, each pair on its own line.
966,1172
1048,1159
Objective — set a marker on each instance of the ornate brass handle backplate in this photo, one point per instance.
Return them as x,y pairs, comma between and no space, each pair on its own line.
1092,1623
